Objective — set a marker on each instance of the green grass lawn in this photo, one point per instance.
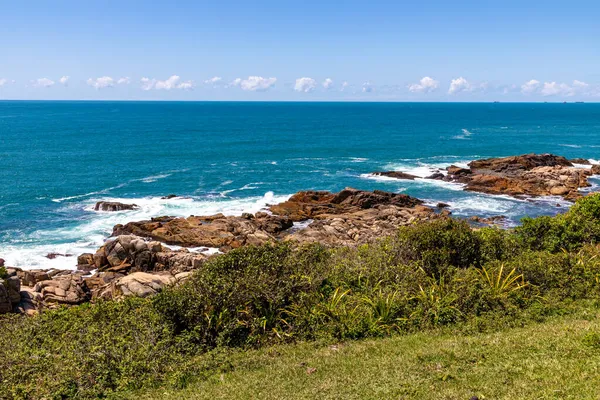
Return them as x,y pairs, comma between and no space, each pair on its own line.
557,359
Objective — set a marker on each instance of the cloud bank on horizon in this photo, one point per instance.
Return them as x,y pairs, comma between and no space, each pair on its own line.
305,86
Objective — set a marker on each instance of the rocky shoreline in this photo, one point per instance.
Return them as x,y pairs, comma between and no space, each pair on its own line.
137,261
526,175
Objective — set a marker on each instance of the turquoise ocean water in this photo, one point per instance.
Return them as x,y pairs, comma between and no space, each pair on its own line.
59,158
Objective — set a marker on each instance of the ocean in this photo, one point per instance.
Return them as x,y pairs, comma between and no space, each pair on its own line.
59,158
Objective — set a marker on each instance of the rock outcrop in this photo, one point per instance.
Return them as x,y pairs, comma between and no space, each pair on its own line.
129,253
525,175
114,206
351,216
396,175
321,205
217,231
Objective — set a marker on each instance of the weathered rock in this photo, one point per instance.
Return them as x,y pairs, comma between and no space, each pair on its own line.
213,231
493,220
128,253
114,206
31,277
315,204
140,284
525,175
5,303
396,175
436,175
453,170
595,169
362,226
85,262
2,262
29,303
168,197
63,289
52,256
581,161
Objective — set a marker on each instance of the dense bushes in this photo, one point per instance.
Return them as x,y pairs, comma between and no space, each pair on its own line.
569,231
427,276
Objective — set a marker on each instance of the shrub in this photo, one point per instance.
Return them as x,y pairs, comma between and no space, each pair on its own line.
438,245
84,351
570,231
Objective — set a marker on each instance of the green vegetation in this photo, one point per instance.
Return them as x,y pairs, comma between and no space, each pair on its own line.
438,277
558,359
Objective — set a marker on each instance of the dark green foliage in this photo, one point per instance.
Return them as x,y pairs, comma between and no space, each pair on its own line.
439,244
428,276
580,225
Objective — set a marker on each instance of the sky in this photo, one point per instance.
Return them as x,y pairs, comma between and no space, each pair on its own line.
300,51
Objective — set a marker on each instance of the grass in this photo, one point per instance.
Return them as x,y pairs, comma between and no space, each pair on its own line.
556,359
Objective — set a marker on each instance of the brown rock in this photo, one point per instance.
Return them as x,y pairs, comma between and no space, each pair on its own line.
526,175
114,206
581,161
313,204
213,231
396,175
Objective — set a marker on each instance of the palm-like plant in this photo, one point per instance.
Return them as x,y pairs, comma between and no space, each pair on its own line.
499,283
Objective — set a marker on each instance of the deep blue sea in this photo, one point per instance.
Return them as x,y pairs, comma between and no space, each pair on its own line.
59,158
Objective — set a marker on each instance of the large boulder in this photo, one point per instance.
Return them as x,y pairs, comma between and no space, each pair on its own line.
140,284
129,253
68,289
10,288
114,206
396,175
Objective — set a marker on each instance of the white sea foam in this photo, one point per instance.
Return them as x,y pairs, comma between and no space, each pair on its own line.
91,232
574,146
154,178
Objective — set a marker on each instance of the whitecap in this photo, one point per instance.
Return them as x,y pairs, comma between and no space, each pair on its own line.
154,178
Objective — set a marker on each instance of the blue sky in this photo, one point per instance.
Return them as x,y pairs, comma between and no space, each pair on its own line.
311,50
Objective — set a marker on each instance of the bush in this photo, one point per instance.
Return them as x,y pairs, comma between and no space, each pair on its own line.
570,231
84,351
438,245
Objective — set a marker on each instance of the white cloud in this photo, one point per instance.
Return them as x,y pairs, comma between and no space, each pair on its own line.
147,83
124,81
553,89
187,85
367,87
214,80
305,85
344,86
425,85
64,80
173,82
459,85
580,86
530,87
328,83
255,83
43,82
101,83
3,81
